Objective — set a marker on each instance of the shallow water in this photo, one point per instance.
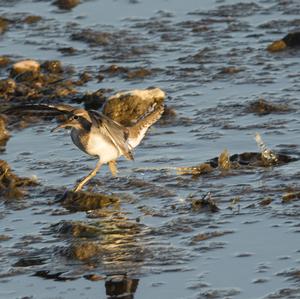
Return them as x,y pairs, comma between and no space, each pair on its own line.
152,234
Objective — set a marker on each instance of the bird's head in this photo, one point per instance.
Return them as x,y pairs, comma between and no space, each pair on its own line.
77,119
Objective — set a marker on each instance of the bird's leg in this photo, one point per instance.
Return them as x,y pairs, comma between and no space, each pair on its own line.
113,167
88,177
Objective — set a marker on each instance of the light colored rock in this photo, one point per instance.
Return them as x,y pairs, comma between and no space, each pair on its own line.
25,66
127,106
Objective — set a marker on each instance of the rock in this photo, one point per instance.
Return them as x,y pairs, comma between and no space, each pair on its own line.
7,87
139,74
94,277
66,4
203,168
25,66
84,250
85,201
3,132
126,107
263,107
94,100
52,66
32,19
3,25
291,40
120,286
77,229
4,61
10,183
206,203
290,196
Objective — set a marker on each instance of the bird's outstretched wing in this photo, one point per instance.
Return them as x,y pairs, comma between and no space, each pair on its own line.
40,108
116,133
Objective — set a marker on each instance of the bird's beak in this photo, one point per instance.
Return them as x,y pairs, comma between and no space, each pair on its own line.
61,126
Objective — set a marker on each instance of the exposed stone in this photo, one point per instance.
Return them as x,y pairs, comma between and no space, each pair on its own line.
66,4
85,201
10,183
126,107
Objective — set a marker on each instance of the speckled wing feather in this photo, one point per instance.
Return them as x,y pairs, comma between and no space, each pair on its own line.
116,133
138,130
40,108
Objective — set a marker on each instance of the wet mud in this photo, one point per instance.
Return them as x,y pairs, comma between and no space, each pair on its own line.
214,187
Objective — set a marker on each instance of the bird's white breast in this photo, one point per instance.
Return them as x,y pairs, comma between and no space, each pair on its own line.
100,146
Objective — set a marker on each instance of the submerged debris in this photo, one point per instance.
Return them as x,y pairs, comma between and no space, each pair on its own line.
85,201
126,107
10,183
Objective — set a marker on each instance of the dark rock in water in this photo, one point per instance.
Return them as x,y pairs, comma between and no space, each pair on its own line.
291,40
54,276
52,66
3,25
243,160
77,229
94,100
94,38
263,107
203,204
7,87
126,107
3,132
4,61
139,74
32,19
291,196
67,50
85,250
66,4
10,183
253,159
29,261
265,202
85,201
203,168
120,286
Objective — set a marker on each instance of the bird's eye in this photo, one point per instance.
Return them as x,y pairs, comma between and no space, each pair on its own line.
75,117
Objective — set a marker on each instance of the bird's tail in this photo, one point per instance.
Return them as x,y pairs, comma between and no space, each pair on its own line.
139,129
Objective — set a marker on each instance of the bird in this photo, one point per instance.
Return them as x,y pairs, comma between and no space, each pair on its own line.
98,135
